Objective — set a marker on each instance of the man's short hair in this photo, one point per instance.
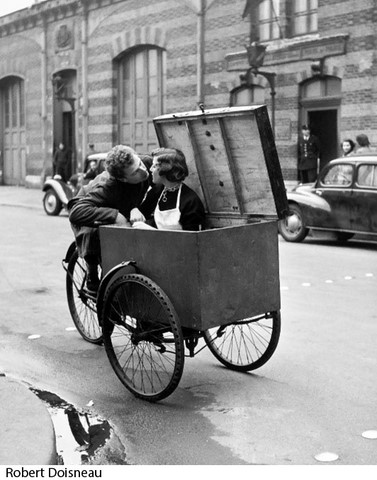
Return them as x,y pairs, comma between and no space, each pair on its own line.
173,164
363,140
121,158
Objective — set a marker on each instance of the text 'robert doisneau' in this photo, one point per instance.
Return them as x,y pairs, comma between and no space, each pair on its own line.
52,472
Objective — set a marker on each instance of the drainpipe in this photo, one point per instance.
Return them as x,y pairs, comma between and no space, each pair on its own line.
84,81
46,159
200,51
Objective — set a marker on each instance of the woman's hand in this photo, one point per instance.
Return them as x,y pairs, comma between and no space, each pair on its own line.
121,221
136,216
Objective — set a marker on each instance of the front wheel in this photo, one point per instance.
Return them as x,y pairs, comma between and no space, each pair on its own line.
142,337
247,344
292,228
82,305
52,203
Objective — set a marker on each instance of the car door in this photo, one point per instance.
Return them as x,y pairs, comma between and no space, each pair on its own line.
364,213
335,187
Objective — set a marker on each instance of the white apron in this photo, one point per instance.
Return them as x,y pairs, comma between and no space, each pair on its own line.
168,219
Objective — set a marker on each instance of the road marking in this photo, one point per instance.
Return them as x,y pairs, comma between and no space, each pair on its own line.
347,277
369,274
371,434
306,284
71,329
329,281
33,337
326,457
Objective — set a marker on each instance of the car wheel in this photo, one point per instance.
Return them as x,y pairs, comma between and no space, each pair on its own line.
343,236
51,203
292,228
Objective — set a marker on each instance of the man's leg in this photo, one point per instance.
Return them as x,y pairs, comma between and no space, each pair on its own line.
312,175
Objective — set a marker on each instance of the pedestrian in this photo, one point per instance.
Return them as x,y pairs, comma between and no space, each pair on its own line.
308,156
348,146
363,143
91,172
61,162
111,198
91,151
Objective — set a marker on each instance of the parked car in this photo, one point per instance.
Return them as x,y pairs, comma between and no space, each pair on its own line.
58,193
343,200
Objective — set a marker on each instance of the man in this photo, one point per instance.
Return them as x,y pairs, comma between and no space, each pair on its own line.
308,156
111,198
363,143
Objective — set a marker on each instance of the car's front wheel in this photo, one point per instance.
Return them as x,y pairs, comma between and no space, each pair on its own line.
292,228
51,203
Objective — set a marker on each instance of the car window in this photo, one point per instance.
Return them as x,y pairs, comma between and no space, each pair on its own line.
367,176
339,175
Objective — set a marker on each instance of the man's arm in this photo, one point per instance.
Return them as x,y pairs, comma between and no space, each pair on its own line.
92,210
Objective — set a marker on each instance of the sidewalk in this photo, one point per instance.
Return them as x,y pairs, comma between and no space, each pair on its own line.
27,434
21,196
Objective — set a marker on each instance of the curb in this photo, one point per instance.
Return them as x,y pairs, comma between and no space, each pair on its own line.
27,431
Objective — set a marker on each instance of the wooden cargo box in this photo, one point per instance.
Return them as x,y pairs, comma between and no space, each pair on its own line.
230,270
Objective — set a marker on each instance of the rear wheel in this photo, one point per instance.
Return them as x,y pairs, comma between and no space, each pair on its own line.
82,305
52,203
247,344
292,228
142,337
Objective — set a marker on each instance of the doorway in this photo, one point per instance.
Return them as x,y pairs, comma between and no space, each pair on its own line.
324,124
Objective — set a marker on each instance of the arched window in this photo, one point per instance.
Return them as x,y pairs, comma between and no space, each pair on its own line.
141,74
244,95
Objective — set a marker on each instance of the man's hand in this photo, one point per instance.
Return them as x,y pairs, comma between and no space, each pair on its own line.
136,216
121,220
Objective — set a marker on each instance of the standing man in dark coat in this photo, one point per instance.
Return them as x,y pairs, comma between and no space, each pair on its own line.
309,151
61,162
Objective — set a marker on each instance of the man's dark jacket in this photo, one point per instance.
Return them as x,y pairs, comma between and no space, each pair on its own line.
98,204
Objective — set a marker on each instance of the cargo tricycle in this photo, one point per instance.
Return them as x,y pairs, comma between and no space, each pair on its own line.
166,295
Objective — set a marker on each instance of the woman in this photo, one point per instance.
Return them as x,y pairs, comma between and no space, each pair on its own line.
170,204
348,146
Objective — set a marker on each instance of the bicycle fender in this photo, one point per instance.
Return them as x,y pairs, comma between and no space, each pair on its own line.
69,253
124,268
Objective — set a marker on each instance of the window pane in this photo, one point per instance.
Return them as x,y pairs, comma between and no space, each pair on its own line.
313,22
152,63
365,175
139,61
22,104
312,89
265,10
7,108
264,31
14,104
300,6
339,175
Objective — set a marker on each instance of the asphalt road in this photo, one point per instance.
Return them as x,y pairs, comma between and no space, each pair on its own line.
316,394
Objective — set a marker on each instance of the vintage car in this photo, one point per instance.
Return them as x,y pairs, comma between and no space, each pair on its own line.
343,200
58,193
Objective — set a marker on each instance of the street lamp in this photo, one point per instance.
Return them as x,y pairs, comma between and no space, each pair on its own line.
255,56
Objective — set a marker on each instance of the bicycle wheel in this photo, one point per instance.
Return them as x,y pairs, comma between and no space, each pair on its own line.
247,344
81,305
142,337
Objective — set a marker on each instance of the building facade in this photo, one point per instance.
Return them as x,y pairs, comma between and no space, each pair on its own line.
98,71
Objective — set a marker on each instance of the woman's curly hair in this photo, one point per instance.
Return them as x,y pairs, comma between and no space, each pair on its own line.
172,163
118,159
